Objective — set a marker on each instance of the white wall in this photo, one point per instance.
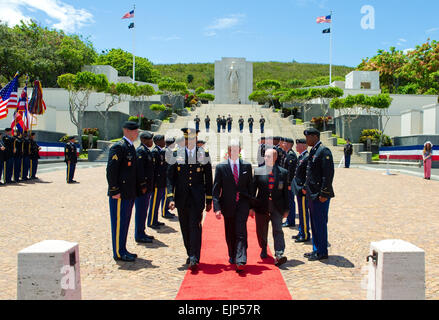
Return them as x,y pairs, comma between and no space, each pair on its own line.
355,78
431,119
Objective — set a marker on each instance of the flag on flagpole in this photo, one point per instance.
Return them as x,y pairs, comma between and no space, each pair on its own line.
131,26
22,108
18,122
324,19
129,15
327,30
8,97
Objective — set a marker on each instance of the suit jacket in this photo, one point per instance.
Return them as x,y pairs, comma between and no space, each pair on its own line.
225,188
279,194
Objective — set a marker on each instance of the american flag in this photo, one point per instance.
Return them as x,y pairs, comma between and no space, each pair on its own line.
324,19
8,97
129,15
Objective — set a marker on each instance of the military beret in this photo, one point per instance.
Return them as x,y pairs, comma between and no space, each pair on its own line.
312,132
32,134
289,140
131,125
277,138
159,137
300,141
170,141
8,130
146,135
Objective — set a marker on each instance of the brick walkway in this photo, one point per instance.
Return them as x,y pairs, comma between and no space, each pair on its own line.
369,207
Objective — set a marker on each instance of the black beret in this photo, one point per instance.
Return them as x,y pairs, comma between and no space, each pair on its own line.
8,130
146,135
131,125
300,141
170,141
159,137
312,132
32,134
289,140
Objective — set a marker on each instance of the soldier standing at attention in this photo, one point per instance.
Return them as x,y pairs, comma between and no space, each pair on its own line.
290,164
170,146
207,122
190,191
26,155
218,123
197,121
229,123
319,190
297,186
8,167
18,156
241,124
145,165
34,156
250,123
2,157
160,168
262,123
124,183
71,158
261,152
348,150
224,123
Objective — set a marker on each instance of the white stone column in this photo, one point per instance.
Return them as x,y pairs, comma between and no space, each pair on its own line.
49,270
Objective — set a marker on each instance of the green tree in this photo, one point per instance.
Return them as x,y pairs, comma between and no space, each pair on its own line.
173,90
324,95
199,90
190,78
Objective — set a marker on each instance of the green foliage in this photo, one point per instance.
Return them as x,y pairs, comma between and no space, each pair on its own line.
122,61
304,95
375,135
42,53
85,144
173,87
259,96
157,107
190,78
93,131
206,96
381,101
199,90
83,81
269,85
145,123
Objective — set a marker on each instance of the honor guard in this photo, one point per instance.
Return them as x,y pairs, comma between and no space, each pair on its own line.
224,123
229,123
281,154
8,166
190,191
319,177
18,156
251,121
160,170
71,158
34,156
169,158
207,123
241,124
26,157
261,152
197,121
297,187
262,123
290,164
218,123
124,183
145,165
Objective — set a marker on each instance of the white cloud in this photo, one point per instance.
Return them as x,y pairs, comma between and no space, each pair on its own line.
431,30
304,3
227,22
402,40
67,17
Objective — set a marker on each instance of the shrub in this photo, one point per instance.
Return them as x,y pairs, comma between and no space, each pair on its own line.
85,142
374,135
93,131
318,122
157,107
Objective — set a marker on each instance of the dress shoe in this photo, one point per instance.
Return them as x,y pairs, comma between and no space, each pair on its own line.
132,255
149,237
264,254
193,264
309,254
155,227
280,260
240,267
188,261
302,240
285,225
295,237
125,258
169,216
232,261
317,257
144,240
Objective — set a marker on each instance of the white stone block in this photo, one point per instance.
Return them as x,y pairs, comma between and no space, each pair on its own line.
399,273
49,270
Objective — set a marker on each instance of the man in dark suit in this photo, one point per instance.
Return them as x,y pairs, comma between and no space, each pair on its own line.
124,183
319,190
189,182
270,182
231,190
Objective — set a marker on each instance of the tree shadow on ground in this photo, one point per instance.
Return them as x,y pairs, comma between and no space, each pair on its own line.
136,265
338,261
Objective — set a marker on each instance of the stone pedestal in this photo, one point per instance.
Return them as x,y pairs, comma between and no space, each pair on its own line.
397,272
93,154
49,270
358,147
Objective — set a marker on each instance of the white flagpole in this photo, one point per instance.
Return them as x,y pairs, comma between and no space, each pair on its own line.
330,51
134,46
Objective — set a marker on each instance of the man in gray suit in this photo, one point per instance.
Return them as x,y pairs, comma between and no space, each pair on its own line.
232,188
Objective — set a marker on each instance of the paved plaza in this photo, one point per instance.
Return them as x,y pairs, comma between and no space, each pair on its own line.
369,206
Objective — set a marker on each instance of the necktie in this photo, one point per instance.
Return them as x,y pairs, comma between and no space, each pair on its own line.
236,176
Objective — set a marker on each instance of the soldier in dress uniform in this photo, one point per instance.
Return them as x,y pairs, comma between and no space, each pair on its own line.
218,123
34,156
8,167
26,157
18,156
124,183
229,123
71,158
261,152
207,122
297,187
319,190
281,154
224,123
290,164
190,191
241,124
170,147
197,121
145,165
160,169
262,123
251,121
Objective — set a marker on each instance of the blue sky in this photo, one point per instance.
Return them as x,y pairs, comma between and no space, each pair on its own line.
171,31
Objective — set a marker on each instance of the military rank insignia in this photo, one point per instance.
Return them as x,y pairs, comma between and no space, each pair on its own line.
115,158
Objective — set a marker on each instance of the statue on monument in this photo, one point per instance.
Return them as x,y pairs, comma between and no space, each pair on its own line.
233,78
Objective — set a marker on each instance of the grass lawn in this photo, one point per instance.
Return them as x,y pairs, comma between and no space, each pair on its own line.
375,157
340,141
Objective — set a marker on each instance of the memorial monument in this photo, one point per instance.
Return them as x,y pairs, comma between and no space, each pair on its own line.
233,81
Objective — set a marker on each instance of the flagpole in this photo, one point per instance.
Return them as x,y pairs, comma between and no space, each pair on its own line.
134,46
330,50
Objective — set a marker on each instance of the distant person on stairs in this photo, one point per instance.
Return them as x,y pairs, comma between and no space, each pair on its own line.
262,123
207,122
241,124
218,123
250,123
197,121
224,123
348,150
229,123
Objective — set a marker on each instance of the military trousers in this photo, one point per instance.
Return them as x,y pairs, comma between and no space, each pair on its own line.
319,225
70,173
291,220
8,167
120,214
26,166
17,168
142,205
304,227
190,218
157,199
33,168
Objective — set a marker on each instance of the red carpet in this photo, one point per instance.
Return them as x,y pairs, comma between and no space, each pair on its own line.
216,279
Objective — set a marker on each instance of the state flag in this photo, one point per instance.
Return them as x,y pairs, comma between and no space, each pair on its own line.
327,30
